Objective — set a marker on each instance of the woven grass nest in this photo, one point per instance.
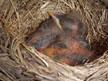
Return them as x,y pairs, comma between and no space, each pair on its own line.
19,62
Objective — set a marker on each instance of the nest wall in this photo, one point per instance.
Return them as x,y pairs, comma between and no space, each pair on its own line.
19,18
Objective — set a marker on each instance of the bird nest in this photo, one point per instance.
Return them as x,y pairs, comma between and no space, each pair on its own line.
19,62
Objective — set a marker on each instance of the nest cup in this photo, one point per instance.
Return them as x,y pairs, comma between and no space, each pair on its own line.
19,19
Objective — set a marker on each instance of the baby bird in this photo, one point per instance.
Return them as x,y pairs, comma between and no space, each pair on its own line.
70,51
61,37
48,31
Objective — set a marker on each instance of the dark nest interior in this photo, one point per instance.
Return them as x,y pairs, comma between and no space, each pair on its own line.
20,62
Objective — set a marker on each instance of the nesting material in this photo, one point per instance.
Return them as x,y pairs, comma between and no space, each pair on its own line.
19,19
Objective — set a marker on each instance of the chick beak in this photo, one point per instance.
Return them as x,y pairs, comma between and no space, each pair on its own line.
56,20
